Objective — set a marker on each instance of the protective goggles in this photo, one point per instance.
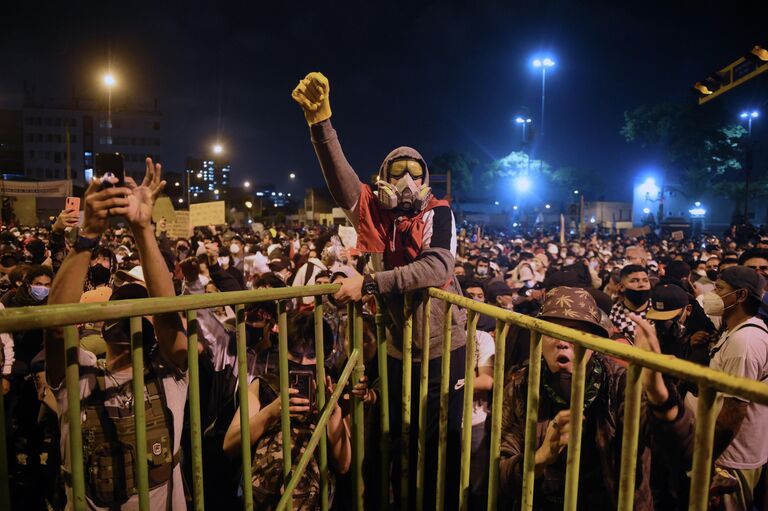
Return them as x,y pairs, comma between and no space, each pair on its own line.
398,168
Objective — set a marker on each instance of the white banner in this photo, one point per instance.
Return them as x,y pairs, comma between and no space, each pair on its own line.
36,189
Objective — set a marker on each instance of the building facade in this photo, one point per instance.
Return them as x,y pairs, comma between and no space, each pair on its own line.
207,179
75,130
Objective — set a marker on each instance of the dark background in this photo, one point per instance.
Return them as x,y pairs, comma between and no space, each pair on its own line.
439,76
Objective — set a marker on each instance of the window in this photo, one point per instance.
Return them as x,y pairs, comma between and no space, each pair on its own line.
32,154
48,155
73,139
57,157
48,173
49,138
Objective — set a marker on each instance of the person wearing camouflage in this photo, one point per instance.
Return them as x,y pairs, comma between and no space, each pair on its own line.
266,435
662,414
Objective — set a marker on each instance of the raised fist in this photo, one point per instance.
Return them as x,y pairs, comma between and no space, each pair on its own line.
313,96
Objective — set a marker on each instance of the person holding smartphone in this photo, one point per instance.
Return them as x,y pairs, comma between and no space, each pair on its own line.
266,434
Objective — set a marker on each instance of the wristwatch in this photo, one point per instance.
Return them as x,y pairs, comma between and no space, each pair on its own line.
84,243
369,284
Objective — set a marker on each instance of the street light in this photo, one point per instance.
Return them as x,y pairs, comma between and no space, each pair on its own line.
217,149
575,192
292,175
176,184
754,114
181,201
522,184
247,184
543,64
547,206
109,81
248,204
523,121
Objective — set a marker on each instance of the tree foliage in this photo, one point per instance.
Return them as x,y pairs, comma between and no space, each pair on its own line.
463,167
700,147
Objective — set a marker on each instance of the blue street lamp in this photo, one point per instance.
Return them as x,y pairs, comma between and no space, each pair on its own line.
543,64
523,122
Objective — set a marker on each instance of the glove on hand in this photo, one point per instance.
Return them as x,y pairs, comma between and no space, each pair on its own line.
312,94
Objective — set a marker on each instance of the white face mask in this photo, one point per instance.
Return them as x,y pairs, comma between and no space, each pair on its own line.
119,258
223,261
482,270
714,305
234,249
203,280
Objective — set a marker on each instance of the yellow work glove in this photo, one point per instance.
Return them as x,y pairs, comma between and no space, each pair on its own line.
312,94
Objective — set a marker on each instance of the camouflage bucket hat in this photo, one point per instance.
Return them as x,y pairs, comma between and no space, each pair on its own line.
572,304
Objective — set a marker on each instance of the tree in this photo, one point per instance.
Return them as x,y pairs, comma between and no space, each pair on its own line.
700,147
517,163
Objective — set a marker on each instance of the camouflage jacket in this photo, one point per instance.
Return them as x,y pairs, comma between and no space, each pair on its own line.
601,441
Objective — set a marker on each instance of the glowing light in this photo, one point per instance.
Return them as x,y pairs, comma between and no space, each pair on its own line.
753,114
592,220
181,201
514,224
279,194
247,184
647,211
176,184
288,194
545,62
248,204
273,194
522,184
194,194
697,204
514,207
496,202
216,191
292,175
217,149
109,80
199,175
575,192
521,120
697,212
547,206
649,187
259,194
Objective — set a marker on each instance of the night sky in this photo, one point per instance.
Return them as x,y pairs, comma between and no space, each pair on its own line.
442,76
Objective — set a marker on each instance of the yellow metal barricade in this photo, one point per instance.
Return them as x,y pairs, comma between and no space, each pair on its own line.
709,382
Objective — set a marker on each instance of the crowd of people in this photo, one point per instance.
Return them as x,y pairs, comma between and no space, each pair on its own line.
701,299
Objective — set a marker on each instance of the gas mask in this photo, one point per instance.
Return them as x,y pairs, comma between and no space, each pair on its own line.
404,195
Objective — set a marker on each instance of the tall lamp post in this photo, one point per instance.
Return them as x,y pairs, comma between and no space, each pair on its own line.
109,82
543,64
523,122
748,116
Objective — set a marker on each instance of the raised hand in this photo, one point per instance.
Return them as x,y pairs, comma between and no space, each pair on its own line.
645,337
67,218
555,439
101,204
141,199
313,96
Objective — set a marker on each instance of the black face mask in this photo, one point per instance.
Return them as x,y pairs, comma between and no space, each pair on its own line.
712,275
636,297
98,275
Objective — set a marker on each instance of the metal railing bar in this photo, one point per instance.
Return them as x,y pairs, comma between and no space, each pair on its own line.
667,364
531,419
381,355
405,433
423,394
466,430
139,413
242,394
285,418
498,397
322,423
72,379
577,416
633,394
48,316
703,438
445,370
195,428
320,395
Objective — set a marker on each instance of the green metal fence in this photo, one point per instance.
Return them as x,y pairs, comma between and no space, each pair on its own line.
708,381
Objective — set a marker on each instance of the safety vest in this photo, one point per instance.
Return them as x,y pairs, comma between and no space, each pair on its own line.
109,443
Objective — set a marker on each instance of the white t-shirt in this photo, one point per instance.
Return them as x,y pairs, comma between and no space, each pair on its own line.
744,352
175,386
484,351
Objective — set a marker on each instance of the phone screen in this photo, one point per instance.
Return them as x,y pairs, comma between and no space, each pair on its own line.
107,165
303,381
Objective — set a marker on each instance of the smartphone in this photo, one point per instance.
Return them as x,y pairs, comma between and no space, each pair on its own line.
72,204
304,382
109,165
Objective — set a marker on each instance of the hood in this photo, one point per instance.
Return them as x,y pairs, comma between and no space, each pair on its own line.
401,152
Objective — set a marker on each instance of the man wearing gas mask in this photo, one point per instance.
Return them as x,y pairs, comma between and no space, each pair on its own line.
410,238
